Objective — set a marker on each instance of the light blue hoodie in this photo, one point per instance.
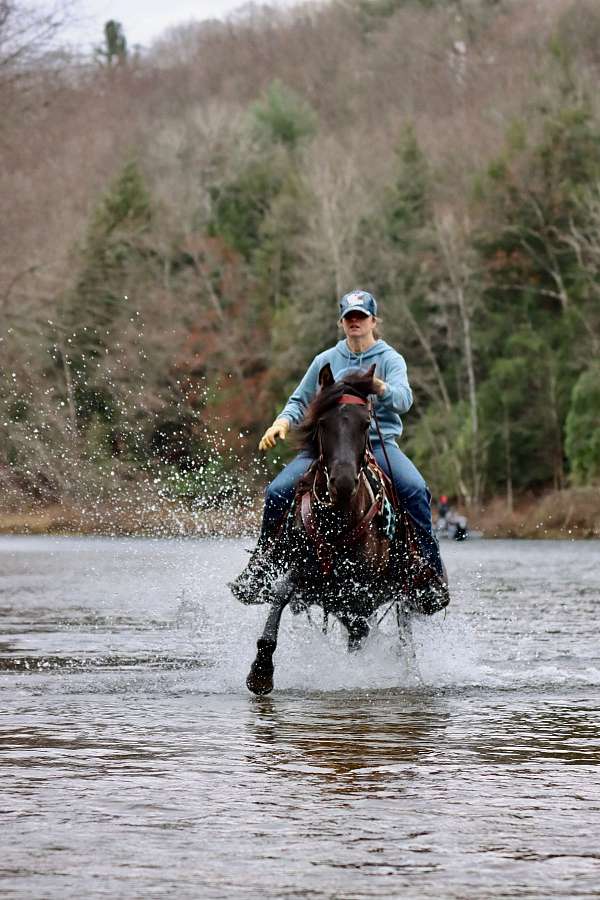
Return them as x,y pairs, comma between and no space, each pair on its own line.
390,367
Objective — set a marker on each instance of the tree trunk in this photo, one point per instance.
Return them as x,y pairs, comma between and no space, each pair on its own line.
466,325
508,462
70,393
558,465
425,344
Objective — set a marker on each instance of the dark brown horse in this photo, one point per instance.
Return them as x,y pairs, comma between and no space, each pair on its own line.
343,547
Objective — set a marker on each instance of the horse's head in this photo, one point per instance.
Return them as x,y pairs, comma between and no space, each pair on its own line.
336,429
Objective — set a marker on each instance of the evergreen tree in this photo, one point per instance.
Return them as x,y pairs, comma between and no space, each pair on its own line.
583,428
533,289
283,117
100,300
410,276
114,50
240,206
261,215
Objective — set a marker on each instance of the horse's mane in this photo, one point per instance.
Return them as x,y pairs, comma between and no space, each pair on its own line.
360,383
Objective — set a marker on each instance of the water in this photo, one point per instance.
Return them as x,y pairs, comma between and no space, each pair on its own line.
135,764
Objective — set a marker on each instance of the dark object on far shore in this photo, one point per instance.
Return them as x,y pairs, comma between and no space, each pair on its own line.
451,524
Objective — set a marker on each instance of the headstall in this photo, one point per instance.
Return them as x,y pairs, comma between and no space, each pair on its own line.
353,399
324,549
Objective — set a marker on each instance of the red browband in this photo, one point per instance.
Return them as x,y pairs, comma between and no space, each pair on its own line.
352,398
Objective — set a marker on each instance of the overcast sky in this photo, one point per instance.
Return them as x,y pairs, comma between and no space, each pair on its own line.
142,20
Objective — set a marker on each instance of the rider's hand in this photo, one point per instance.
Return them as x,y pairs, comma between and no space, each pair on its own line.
278,429
379,385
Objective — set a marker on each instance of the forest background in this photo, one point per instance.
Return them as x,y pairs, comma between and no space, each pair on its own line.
178,224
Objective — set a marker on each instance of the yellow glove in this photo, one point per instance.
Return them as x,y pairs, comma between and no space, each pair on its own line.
278,429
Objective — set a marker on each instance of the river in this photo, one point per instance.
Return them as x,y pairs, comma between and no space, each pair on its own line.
135,764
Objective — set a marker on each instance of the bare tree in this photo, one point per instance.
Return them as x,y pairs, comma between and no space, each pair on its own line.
27,34
584,241
460,276
340,199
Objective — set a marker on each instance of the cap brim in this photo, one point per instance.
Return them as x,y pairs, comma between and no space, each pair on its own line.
358,309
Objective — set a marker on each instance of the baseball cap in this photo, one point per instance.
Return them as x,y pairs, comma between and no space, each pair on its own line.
358,301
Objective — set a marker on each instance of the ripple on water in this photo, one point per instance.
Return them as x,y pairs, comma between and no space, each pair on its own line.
137,764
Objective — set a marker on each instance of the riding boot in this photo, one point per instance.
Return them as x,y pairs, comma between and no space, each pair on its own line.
254,583
434,595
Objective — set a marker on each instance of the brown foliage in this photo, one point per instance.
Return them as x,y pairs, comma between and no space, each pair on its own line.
182,112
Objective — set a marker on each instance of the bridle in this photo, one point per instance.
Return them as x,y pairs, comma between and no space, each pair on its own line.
344,400
323,548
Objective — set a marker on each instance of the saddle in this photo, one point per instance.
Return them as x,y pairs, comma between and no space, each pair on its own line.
407,569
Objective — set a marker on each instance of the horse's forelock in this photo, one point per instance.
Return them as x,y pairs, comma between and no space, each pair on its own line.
360,383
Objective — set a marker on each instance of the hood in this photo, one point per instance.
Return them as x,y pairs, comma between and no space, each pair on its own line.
360,360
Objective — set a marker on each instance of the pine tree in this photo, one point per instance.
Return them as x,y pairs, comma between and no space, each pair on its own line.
100,299
583,428
114,50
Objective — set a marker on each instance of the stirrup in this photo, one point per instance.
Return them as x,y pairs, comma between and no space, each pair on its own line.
432,597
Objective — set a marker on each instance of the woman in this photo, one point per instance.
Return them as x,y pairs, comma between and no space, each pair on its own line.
360,349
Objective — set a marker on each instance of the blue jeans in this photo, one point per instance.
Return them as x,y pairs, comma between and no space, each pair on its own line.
411,489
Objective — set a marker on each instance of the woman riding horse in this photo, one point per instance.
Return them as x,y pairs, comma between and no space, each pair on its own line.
361,348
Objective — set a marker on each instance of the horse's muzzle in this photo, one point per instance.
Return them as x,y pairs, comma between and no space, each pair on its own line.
343,487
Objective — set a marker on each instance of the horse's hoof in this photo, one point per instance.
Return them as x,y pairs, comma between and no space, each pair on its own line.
260,677
259,684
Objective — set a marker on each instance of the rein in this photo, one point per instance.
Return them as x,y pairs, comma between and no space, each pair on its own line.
390,480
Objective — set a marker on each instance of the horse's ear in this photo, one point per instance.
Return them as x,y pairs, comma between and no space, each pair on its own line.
326,378
371,371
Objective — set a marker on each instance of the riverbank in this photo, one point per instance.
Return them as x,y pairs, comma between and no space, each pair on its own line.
137,510
573,513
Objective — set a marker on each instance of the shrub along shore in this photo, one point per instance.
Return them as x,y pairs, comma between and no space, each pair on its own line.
569,514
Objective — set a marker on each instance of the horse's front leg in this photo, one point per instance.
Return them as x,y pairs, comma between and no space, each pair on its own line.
260,677
358,629
406,639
